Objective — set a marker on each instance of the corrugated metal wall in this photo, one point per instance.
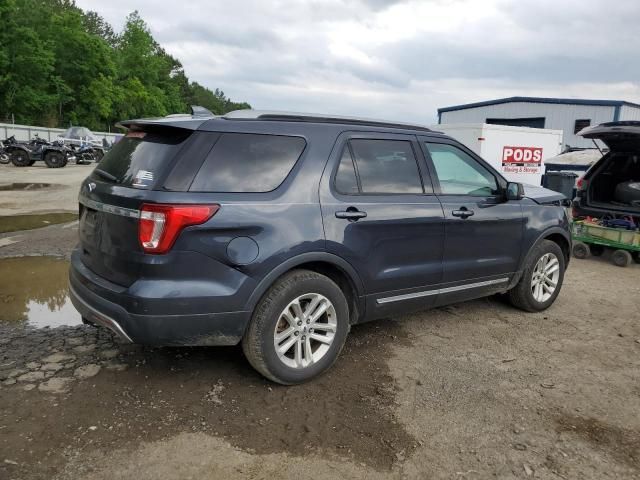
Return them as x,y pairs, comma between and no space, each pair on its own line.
627,112
558,116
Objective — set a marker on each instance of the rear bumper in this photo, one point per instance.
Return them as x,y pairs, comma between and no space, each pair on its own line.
102,306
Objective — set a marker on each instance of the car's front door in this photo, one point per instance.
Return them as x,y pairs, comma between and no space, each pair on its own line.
381,215
483,231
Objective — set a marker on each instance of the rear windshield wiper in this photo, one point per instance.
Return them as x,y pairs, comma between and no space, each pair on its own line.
106,175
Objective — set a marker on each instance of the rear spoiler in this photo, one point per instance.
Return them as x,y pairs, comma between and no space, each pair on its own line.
198,116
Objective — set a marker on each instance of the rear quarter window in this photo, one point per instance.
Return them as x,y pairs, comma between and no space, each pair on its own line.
139,158
240,162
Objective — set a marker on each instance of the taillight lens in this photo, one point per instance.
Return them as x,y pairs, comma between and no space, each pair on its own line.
581,184
160,224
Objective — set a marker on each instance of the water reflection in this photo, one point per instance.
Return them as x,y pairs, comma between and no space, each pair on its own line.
15,223
34,291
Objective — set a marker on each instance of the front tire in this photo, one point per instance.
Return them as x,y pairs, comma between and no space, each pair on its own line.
20,158
581,250
541,279
298,328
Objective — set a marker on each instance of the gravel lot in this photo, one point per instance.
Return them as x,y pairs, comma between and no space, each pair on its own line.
476,390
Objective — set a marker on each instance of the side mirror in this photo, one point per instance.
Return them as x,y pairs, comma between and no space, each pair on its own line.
514,191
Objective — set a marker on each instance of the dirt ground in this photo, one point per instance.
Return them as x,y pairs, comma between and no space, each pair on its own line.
476,390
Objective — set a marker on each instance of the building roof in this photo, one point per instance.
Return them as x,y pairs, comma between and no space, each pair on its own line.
557,101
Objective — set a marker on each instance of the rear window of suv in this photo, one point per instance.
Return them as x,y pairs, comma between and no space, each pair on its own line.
241,162
139,157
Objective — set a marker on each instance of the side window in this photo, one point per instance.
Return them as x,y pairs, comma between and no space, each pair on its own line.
240,162
459,173
346,180
386,166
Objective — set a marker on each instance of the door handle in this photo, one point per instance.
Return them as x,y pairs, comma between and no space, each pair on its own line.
352,214
462,213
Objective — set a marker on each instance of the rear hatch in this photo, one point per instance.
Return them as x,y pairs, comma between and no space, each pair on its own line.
612,185
110,200
618,136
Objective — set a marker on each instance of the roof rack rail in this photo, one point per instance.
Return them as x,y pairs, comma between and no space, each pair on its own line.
318,118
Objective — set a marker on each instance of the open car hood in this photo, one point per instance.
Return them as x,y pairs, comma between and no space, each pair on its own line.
542,195
615,135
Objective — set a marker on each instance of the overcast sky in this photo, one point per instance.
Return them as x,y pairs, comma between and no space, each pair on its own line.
396,60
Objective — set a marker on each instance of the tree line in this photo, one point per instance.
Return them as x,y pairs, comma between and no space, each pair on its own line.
60,65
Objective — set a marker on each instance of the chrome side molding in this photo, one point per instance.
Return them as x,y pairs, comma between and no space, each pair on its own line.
427,293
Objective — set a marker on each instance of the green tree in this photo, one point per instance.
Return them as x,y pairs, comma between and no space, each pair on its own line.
96,25
26,66
61,65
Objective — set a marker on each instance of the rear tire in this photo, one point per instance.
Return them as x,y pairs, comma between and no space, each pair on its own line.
596,250
581,250
55,160
285,316
541,279
621,258
20,158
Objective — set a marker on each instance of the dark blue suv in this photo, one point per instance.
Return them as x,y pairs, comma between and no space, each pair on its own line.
281,231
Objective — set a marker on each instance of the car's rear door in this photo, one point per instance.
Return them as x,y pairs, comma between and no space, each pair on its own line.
381,215
483,231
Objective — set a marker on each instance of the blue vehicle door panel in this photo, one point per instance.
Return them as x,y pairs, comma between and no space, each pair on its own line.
483,232
397,247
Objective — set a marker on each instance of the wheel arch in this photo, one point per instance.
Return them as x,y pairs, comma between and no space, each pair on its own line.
557,235
332,266
563,241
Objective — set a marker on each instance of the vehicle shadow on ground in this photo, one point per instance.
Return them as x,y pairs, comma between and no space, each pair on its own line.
146,394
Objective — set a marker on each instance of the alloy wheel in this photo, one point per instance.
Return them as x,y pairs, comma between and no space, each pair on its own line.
544,279
305,330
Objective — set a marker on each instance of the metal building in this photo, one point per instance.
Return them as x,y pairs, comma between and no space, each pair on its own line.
567,114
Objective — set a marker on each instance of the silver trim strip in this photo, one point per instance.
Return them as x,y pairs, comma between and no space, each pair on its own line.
407,296
101,318
428,293
105,207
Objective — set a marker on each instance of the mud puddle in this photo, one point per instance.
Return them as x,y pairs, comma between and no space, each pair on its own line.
9,187
15,223
162,392
34,291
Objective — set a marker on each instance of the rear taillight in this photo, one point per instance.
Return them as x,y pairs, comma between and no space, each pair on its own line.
581,184
160,224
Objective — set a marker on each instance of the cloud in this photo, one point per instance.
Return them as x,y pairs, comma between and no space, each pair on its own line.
396,59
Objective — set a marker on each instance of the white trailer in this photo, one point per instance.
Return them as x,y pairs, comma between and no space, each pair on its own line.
518,153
